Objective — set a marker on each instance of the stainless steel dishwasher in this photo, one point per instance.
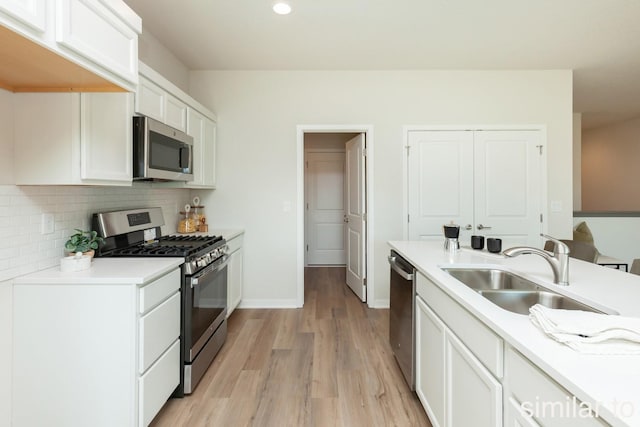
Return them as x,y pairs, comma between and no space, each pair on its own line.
402,315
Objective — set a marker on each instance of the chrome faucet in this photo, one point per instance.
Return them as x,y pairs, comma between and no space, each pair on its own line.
559,261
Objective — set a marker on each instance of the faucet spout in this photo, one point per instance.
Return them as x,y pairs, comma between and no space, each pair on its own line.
559,261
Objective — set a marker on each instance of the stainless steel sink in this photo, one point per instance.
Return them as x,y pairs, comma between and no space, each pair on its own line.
491,278
512,292
521,301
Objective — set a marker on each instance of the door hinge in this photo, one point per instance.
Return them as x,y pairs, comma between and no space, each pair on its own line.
307,248
540,217
364,152
307,205
408,147
306,164
539,147
408,218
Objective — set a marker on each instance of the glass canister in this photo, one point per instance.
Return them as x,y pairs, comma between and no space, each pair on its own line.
198,215
187,224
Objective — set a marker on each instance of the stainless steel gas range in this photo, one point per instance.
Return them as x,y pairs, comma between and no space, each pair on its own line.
137,233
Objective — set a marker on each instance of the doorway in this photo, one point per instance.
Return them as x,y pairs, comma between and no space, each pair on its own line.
334,190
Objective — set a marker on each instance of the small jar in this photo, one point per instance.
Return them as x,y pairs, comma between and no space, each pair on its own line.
186,224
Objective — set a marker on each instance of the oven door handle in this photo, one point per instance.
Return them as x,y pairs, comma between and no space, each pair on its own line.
213,268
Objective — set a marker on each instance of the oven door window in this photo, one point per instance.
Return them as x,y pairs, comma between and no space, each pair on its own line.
208,305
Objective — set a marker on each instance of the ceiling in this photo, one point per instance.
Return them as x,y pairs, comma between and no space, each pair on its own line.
598,39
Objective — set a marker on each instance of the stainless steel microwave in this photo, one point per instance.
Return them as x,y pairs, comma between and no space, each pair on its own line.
161,152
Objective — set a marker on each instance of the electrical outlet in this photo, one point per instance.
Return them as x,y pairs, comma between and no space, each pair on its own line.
47,223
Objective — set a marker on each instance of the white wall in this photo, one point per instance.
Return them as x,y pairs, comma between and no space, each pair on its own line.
577,162
6,137
610,172
158,57
258,112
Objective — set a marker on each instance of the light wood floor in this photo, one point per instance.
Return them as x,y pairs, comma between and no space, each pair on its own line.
327,364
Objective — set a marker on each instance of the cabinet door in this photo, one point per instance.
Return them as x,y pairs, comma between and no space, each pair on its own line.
106,141
203,131
440,182
507,185
209,154
31,13
430,345
234,287
175,113
473,395
91,30
150,100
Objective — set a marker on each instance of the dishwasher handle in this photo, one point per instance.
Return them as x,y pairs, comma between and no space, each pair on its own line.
394,265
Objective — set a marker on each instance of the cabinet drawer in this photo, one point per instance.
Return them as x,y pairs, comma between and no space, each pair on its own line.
235,244
158,330
549,403
158,383
158,290
482,342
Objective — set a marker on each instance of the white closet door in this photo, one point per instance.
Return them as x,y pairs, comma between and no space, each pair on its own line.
507,186
440,187
325,208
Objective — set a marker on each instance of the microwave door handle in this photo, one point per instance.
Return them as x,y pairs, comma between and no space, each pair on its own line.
184,150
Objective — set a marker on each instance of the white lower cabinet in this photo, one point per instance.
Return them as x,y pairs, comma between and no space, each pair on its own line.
454,386
430,346
534,399
235,274
95,354
474,396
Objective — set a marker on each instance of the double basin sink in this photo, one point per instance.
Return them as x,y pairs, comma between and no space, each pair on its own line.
512,292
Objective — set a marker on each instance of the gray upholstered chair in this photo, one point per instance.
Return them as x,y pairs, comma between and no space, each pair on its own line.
579,250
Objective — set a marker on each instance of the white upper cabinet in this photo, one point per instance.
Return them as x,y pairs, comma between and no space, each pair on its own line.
79,139
155,102
91,30
78,45
158,98
203,131
31,14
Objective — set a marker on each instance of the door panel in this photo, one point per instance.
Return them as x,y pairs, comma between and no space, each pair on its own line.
440,188
325,208
355,216
507,185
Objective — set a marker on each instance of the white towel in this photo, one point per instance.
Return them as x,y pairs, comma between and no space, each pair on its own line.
590,333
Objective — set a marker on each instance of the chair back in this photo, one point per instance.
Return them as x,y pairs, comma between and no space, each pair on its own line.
635,266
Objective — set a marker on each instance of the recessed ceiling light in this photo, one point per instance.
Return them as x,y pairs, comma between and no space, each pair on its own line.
282,8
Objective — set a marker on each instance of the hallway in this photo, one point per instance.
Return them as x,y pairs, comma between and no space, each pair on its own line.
327,364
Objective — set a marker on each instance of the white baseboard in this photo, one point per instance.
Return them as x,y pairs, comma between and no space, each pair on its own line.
268,303
380,303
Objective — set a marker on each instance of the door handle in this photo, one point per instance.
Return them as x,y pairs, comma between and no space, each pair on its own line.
468,227
483,227
346,219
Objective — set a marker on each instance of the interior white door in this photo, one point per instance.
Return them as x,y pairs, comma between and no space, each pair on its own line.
507,184
355,216
325,208
440,183
488,182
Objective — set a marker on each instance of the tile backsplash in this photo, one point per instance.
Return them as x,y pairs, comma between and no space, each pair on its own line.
25,249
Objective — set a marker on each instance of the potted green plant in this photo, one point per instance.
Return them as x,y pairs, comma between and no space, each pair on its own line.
83,241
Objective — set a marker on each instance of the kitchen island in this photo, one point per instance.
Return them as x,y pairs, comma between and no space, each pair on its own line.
609,385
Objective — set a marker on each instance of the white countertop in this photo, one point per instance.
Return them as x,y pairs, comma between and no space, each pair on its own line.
110,271
611,382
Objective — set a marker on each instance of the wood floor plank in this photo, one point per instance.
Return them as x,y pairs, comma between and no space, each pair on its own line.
327,364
